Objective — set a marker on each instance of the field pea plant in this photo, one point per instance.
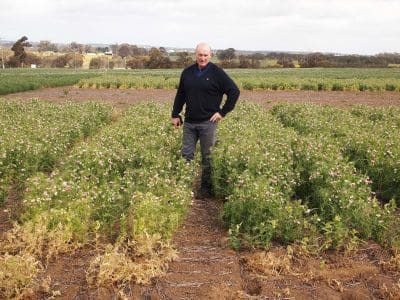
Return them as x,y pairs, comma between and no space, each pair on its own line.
288,177
318,177
122,191
35,135
133,80
318,79
19,80
367,136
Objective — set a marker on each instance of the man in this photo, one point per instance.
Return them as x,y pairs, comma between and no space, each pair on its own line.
201,88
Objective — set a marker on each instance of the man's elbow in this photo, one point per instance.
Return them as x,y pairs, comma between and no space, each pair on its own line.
235,93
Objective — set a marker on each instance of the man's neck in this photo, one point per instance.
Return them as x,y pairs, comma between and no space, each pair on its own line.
202,68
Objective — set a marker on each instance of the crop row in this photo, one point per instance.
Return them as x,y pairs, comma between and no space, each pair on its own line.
126,186
319,84
293,188
130,82
271,79
367,136
19,80
246,83
35,135
127,172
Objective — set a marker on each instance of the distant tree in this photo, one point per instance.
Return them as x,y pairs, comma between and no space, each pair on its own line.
74,60
101,49
114,48
244,61
116,62
71,60
390,58
157,60
257,56
75,47
314,60
162,50
32,59
60,61
47,46
184,59
19,51
88,49
47,61
101,62
256,59
255,63
134,50
136,63
142,51
285,62
226,55
124,50
65,48
95,63
12,62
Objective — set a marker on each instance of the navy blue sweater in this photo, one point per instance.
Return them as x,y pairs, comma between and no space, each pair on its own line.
202,93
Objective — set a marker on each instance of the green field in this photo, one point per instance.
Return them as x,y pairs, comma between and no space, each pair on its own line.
19,80
317,177
267,79
346,79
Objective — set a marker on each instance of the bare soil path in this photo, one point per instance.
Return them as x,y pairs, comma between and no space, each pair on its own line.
123,98
206,267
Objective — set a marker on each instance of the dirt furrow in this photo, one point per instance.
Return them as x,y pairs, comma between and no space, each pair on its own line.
206,268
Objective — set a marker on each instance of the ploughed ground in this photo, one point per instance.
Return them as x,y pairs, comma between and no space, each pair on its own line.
206,266
123,98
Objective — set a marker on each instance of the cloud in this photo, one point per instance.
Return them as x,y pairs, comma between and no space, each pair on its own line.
338,25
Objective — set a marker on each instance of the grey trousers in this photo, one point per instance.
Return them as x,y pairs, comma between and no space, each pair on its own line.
205,132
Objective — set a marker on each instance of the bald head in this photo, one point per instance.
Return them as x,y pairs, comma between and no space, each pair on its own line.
203,55
203,47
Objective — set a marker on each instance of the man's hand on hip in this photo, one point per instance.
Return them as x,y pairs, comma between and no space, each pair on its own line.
216,117
176,122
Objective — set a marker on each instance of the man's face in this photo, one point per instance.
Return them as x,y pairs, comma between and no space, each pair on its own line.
203,56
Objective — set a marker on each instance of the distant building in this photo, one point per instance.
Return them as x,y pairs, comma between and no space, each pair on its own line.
108,53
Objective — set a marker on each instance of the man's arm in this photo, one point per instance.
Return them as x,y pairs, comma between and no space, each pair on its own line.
231,90
180,99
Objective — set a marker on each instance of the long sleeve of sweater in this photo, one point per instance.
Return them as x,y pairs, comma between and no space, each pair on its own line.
179,99
232,92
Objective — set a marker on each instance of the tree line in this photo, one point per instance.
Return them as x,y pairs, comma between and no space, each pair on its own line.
135,57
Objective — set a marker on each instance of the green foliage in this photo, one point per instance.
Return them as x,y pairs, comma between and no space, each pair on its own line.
253,170
35,135
256,79
367,136
19,50
248,79
19,80
290,187
127,177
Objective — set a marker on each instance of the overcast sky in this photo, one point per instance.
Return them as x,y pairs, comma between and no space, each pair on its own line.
344,26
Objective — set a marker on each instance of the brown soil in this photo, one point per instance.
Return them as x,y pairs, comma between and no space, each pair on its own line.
10,211
206,267
123,98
